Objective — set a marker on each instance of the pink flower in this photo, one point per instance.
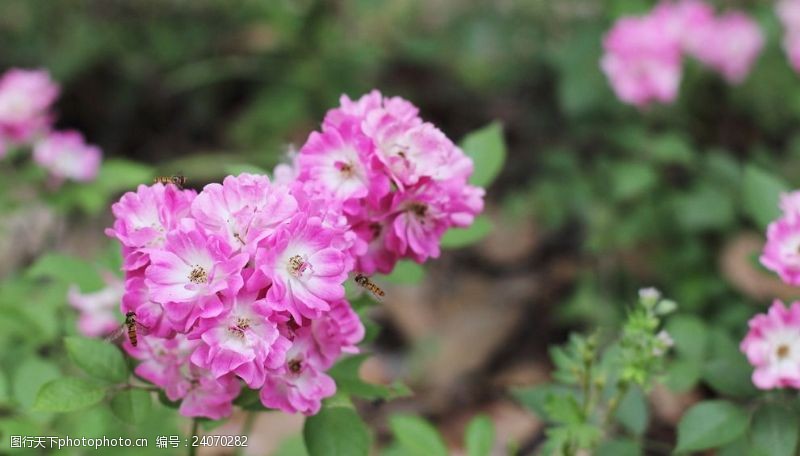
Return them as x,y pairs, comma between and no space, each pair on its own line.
342,162
299,385
337,332
186,275
683,19
789,14
413,151
243,341
25,100
143,219
305,268
66,156
149,313
349,111
244,209
164,363
782,250
642,60
210,397
730,44
99,310
773,347
421,216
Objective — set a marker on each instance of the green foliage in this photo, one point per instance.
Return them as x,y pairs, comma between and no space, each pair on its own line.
760,191
348,381
710,424
336,430
132,406
416,436
463,237
98,359
487,149
596,389
479,436
775,430
68,394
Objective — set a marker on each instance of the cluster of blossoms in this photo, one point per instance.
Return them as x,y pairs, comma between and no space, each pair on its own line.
643,55
242,284
772,344
788,12
26,120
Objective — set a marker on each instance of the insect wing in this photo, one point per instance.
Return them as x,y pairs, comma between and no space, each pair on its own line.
116,336
141,329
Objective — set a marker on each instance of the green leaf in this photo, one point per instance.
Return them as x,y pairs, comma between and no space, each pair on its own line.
632,179
479,437
710,424
619,447
291,446
730,376
461,237
760,195
775,430
690,336
683,374
132,406
117,174
632,412
406,272
29,378
487,149
535,398
348,381
336,430
67,394
235,169
671,148
97,358
417,436
68,270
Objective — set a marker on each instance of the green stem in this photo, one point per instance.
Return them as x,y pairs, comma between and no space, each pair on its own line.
586,384
247,429
193,448
613,404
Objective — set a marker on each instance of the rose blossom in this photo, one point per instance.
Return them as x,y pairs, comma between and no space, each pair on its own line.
773,346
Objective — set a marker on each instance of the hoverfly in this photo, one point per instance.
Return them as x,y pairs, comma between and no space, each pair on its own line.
365,283
131,326
177,179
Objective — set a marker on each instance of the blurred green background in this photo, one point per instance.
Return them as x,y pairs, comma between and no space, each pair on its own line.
596,200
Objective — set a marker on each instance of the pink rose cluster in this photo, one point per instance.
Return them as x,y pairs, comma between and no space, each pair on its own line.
788,12
26,119
400,181
772,344
643,55
242,284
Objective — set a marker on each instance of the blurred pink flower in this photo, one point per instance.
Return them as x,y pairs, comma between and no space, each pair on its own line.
773,347
730,44
788,12
66,155
26,97
782,250
642,60
98,310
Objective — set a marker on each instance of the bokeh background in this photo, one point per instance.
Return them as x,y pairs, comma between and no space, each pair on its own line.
596,199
